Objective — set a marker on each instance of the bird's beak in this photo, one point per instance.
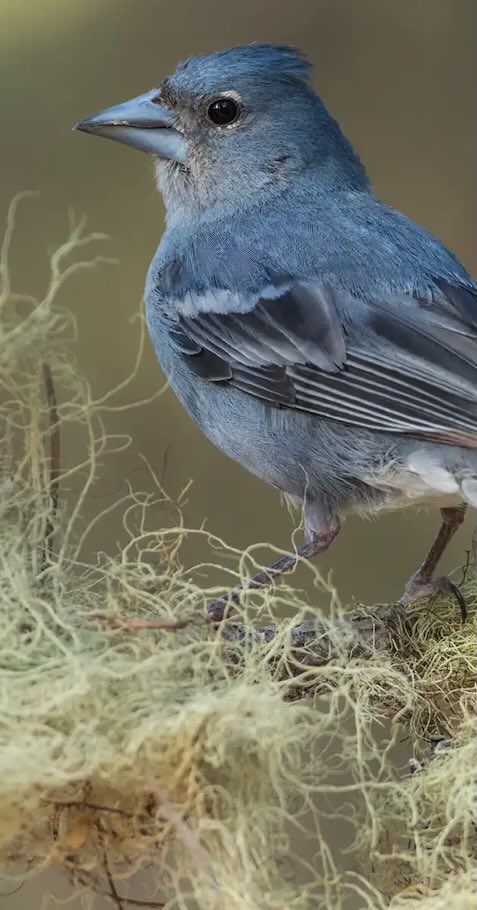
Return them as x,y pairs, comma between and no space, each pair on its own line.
142,123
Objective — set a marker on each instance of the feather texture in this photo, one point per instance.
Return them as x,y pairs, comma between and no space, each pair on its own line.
416,374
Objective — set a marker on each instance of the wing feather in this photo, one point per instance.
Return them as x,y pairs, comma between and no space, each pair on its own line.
404,365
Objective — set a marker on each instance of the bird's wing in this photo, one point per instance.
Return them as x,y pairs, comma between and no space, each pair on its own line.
398,364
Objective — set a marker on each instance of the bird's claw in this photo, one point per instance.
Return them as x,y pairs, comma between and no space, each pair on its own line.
417,589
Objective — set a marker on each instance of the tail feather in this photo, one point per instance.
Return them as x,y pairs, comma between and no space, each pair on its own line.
468,488
444,478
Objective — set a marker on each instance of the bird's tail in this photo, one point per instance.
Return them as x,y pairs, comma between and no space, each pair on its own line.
459,480
468,488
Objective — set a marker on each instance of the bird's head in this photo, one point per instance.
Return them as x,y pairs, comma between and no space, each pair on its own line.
229,125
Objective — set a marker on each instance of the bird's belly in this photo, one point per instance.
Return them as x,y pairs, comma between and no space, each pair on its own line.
246,430
412,481
298,453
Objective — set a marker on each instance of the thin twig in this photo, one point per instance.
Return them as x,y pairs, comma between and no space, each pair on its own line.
113,895
54,462
95,807
86,881
135,623
136,903
133,902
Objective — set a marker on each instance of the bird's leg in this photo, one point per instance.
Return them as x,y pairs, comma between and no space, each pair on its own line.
422,584
317,542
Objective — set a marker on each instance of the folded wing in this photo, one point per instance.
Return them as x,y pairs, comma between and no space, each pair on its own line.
401,364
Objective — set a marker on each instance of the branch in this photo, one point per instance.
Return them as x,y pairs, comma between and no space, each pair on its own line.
361,632
316,643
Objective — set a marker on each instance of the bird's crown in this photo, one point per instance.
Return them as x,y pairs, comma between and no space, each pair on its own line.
248,60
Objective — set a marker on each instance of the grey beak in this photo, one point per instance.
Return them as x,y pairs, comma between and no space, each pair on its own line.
142,123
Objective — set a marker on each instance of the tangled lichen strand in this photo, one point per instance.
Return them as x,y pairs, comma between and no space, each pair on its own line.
191,751
428,819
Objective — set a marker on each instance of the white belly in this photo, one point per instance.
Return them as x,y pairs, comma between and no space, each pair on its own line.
419,479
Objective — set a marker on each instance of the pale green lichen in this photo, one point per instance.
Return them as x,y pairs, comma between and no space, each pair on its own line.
177,750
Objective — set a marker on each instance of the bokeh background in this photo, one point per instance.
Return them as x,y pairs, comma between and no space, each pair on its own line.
400,78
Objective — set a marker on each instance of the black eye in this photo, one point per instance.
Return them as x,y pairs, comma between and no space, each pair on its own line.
223,111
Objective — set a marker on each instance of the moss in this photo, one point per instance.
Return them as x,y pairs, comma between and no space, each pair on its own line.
173,749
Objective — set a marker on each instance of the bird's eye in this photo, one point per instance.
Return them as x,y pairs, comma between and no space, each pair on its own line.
223,111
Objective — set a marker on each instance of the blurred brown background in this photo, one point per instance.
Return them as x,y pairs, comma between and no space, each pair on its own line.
400,78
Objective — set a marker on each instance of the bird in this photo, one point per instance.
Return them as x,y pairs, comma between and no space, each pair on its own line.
316,335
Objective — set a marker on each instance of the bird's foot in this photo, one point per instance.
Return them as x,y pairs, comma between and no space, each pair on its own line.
419,588
217,609
319,542
422,584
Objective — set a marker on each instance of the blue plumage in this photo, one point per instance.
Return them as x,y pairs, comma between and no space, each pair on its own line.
317,336
236,63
